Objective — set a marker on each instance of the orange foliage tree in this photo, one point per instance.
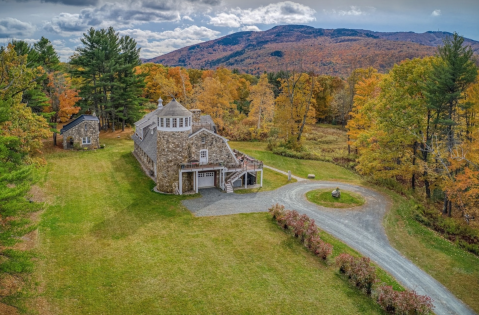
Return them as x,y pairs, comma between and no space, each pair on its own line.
62,97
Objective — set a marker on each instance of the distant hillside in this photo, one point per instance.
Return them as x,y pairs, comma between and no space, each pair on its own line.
325,51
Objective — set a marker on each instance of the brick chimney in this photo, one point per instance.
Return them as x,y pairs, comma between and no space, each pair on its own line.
196,115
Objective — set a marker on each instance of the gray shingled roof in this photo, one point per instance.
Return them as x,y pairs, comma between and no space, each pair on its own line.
148,145
206,119
78,121
174,109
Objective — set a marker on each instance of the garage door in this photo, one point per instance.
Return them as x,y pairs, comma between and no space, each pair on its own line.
206,179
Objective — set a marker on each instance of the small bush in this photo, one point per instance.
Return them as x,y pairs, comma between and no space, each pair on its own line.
359,270
403,303
324,250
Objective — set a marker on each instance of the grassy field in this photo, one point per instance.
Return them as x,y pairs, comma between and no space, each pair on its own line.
271,181
324,198
109,245
455,268
322,170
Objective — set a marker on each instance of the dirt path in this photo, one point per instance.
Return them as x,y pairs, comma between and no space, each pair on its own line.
360,228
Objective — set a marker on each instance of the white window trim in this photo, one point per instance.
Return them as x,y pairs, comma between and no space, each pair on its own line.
86,140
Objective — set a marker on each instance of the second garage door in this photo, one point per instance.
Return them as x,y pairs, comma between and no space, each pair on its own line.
206,179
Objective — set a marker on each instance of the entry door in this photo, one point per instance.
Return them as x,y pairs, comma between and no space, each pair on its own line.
206,179
204,157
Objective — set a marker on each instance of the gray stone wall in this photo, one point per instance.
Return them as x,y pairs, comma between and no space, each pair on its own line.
218,150
172,149
78,132
196,115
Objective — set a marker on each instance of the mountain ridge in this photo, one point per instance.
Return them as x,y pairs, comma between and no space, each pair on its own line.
326,51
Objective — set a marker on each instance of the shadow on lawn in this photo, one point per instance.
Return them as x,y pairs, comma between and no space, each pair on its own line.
143,207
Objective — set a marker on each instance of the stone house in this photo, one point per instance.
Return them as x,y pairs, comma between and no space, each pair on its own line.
84,131
182,152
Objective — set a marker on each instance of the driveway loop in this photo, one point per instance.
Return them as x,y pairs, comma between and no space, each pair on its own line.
360,228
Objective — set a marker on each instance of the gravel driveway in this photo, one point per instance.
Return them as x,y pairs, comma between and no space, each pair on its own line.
360,228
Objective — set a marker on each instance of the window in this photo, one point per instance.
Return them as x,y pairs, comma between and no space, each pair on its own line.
181,122
174,123
203,140
167,123
162,123
86,140
86,127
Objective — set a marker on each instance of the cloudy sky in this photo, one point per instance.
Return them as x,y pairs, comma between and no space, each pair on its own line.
160,26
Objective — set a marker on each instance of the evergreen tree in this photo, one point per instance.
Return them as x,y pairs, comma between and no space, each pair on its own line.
110,85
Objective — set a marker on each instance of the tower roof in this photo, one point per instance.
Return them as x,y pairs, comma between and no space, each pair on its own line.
174,109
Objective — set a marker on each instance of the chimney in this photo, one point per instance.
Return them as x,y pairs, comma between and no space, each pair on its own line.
160,103
196,115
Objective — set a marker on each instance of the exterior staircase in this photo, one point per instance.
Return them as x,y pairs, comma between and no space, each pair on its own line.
231,179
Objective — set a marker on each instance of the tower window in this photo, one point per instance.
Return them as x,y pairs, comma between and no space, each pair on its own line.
167,122
162,122
174,123
181,122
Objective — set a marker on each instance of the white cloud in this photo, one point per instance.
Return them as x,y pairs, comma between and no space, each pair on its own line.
252,28
126,15
287,12
352,11
154,44
436,13
10,27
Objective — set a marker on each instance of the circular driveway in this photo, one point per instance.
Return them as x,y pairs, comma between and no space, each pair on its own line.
361,228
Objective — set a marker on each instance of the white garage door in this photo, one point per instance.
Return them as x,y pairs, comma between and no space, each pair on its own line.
206,179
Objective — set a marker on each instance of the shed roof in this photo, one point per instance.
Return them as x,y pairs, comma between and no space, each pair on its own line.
174,109
78,121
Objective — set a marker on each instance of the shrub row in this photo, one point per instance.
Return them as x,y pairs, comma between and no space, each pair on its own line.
363,275
359,270
460,233
303,228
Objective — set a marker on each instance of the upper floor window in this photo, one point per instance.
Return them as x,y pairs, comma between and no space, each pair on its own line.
181,122
203,140
86,127
174,123
167,123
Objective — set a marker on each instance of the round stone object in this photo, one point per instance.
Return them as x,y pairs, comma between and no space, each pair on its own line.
311,176
336,193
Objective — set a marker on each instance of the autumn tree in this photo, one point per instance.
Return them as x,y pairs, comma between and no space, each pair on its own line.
295,105
63,98
262,102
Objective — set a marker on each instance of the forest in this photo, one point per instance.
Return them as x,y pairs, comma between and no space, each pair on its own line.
414,128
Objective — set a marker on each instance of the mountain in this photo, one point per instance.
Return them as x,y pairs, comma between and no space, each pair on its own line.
325,51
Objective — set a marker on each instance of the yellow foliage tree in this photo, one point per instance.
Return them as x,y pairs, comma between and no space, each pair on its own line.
262,102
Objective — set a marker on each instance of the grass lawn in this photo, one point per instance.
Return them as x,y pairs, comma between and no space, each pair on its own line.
322,170
109,245
455,268
324,198
271,181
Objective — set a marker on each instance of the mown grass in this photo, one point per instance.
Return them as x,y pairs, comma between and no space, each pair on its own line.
271,180
109,245
324,198
452,266
322,170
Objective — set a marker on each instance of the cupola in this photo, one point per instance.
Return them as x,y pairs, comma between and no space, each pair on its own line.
174,117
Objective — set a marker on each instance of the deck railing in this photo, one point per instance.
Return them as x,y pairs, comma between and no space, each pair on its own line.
247,164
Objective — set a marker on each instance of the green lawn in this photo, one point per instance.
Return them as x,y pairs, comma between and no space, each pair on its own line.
322,170
455,268
109,245
271,181
323,197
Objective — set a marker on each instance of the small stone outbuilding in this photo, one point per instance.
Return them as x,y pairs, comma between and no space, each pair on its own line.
82,132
